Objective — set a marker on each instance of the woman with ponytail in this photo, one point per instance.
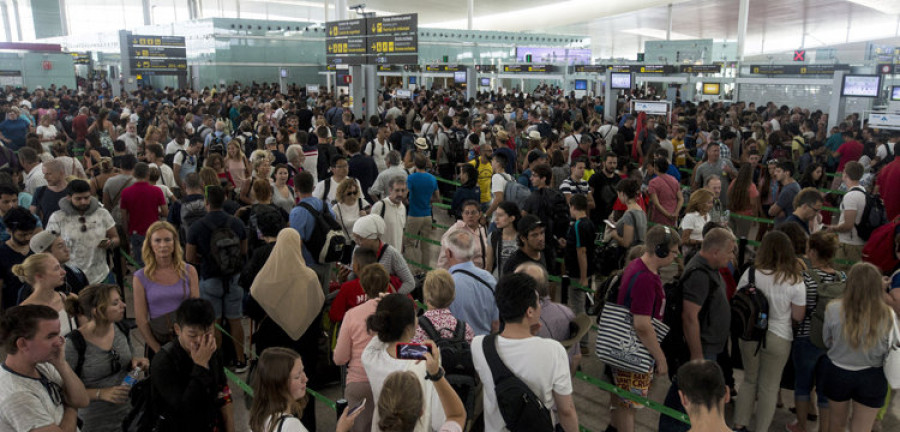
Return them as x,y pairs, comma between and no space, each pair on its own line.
44,273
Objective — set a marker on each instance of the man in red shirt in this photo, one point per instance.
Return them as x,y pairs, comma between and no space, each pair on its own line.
142,204
80,125
889,175
850,150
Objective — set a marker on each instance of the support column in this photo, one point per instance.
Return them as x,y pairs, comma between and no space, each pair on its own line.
471,14
357,89
4,10
63,18
128,80
669,24
340,9
18,18
609,100
325,5
145,7
237,7
371,89
743,13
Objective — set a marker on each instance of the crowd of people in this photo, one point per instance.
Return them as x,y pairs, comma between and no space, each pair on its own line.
213,207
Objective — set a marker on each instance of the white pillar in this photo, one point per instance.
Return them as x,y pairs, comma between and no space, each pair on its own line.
63,18
340,9
7,28
669,24
743,13
145,7
325,5
471,14
15,4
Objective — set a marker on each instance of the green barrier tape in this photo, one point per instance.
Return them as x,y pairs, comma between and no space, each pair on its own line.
447,199
450,182
129,258
415,264
752,218
441,206
603,385
439,226
421,305
686,170
323,399
240,383
833,174
832,191
420,238
831,209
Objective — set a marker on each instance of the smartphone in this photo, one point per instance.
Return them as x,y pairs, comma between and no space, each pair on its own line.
357,408
609,223
103,243
412,351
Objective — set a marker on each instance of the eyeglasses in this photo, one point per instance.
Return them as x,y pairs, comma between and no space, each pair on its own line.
115,362
83,221
352,192
472,212
54,389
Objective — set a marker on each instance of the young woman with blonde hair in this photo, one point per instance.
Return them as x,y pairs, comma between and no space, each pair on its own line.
44,273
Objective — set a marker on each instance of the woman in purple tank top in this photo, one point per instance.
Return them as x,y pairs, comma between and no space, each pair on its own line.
165,281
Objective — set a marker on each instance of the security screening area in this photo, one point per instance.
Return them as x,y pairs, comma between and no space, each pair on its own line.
526,216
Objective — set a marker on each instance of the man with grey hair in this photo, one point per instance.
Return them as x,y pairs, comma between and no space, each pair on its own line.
394,169
393,211
217,141
474,302
555,317
295,158
46,198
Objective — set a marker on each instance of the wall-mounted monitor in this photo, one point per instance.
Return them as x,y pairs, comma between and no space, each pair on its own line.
459,77
895,93
580,84
711,88
406,94
861,86
620,80
412,80
485,82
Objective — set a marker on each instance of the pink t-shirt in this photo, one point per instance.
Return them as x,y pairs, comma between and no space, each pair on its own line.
141,200
666,189
352,341
850,151
647,295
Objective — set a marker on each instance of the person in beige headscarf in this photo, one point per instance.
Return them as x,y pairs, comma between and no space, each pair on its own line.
286,302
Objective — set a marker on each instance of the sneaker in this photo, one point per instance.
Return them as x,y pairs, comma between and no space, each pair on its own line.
240,367
794,426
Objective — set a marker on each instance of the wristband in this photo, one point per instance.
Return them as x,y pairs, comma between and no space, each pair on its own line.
98,394
435,377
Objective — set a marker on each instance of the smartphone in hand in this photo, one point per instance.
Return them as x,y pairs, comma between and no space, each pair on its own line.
412,351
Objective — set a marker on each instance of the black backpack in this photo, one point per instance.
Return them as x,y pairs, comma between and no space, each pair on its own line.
873,216
170,158
224,249
456,148
750,312
521,409
217,144
250,144
327,237
191,211
456,358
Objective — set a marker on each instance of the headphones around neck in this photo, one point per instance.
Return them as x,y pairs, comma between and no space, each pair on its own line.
662,249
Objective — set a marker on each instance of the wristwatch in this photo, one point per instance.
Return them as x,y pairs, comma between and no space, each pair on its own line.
435,377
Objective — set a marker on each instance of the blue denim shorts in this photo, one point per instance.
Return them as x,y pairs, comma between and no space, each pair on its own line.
230,303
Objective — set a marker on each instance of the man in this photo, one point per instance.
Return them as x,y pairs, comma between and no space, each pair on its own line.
156,156
304,222
704,307
556,319
46,198
646,303
326,190
714,166
191,207
13,130
21,225
206,127
80,126
39,391
393,170
115,185
550,207
807,206
888,178
34,173
132,140
498,182
647,140
361,167
482,164
187,380
326,152
530,237
681,155
471,216
603,188
141,204
392,210
665,194
540,363
703,394
9,199
579,256
474,301
575,184
187,161
423,190
217,141
219,288
503,145
849,151
50,242
585,149
784,204
574,140
379,147
852,208
89,228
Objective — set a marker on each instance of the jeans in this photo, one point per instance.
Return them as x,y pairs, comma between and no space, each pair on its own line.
137,244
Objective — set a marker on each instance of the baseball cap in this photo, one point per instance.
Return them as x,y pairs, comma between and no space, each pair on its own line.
529,223
535,155
42,241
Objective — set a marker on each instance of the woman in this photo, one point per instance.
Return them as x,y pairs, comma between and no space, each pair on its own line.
104,172
164,282
559,167
394,322
695,218
632,226
857,332
348,208
285,300
367,233
665,194
468,190
250,215
44,273
401,405
216,162
778,274
743,199
262,168
282,194
280,394
768,191
353,339
439,292
503,240
105,130
47,132
236,163
151,136
814,177
105,359
822,246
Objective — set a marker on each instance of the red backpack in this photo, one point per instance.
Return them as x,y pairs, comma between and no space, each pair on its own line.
879,249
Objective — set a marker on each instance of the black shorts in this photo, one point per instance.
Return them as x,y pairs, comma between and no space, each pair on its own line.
867,387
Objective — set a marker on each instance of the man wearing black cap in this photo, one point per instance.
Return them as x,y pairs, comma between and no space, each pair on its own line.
531,232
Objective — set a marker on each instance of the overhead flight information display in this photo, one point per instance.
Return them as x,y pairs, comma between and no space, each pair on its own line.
861,86
157,55
380,40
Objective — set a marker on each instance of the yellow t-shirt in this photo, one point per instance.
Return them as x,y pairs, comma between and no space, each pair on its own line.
677,148
485,172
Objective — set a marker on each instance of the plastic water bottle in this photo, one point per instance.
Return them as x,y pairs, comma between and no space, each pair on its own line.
132,378
763,321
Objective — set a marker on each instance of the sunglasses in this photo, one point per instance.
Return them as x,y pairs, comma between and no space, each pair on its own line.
54,389
115,361
83,223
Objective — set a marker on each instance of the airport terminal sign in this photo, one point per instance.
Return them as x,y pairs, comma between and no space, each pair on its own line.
381,40
157,55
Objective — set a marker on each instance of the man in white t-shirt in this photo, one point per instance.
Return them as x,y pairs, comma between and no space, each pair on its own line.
574,140
852,207
392,210
498,182
38,388
542,364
